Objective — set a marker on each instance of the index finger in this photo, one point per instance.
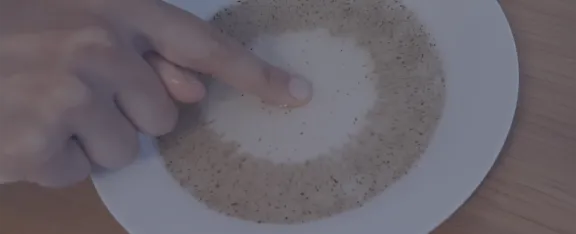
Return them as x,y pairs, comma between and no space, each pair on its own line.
188,41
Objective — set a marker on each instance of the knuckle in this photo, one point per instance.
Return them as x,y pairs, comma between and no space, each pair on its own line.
44,96
80,94
24,146
67,93
34,103
91,36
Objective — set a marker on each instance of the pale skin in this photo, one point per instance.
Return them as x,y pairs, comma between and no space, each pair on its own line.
80,78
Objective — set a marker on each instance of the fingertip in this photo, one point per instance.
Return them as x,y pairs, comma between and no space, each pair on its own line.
300,89
150,114
146,102
183,85
120,156
186,88
281,88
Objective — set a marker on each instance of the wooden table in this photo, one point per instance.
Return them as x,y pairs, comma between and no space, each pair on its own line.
531,190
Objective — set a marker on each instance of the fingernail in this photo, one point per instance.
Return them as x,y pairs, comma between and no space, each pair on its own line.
300,88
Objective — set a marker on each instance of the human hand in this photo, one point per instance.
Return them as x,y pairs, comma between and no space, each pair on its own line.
80,78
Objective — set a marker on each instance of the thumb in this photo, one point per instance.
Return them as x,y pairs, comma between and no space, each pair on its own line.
190,42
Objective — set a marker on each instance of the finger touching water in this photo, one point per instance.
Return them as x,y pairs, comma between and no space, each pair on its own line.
190,42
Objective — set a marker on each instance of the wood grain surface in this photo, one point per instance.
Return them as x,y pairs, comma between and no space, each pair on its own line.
531,190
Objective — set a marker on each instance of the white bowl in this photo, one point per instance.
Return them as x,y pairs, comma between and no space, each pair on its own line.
479,56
